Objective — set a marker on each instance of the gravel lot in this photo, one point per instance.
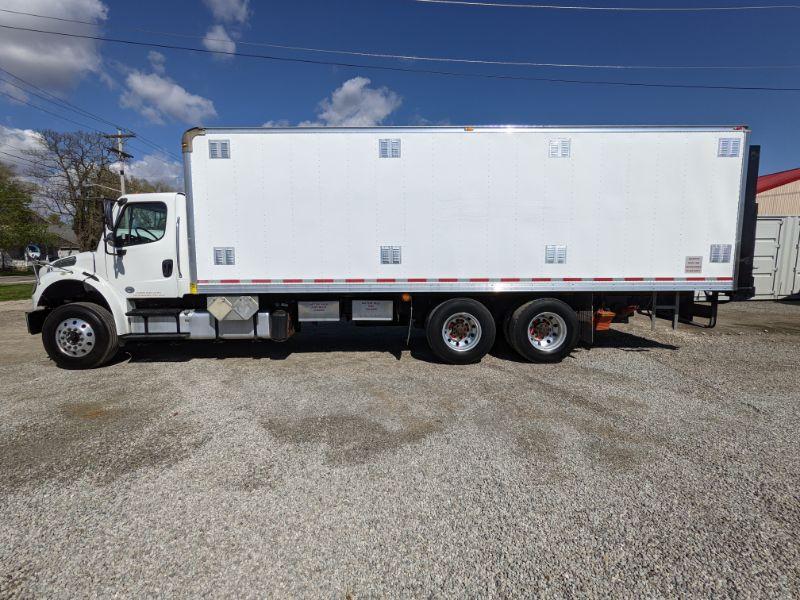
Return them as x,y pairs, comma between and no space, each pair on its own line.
341,463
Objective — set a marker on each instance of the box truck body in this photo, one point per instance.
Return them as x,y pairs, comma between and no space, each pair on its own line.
478,209
544,234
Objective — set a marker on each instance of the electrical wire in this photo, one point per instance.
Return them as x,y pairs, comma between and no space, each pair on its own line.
420,58
409,70
614,8
63,103
49,112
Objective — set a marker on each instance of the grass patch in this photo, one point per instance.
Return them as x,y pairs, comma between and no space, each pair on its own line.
16,273
16,291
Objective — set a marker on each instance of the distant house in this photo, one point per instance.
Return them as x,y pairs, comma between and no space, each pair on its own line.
779,194
64,243
776,264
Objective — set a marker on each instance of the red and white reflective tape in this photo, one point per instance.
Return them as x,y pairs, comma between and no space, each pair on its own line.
428,280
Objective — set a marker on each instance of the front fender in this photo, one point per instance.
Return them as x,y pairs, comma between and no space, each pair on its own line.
57,285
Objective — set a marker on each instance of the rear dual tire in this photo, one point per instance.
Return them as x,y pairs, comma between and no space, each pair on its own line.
544,330
460,331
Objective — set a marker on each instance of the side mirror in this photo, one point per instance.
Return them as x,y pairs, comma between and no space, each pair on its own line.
108,213
110,241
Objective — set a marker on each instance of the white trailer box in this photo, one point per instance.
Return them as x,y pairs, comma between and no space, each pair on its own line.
461,208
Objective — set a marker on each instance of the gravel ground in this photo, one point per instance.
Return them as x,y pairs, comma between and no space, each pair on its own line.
342,464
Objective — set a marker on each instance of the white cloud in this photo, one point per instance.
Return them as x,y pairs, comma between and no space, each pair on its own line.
155,168
158,97
52,62
157,61
18,142
229,11
355,104
218,40
277,123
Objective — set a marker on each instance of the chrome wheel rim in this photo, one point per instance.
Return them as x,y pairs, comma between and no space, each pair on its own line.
547,332
461,332
75,337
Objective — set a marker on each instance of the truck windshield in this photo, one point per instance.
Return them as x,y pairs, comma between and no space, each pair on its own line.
141,223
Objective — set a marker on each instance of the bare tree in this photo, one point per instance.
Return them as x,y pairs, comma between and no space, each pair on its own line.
67,168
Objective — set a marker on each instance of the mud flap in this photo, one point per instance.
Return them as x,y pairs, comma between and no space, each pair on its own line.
745,284
35,320
584,307
691,309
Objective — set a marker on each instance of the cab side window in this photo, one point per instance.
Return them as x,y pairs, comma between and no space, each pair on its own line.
141,223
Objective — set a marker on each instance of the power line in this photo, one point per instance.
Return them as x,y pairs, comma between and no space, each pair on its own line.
613,8
28,160
49,112
419,58
409,70
63,103
52,98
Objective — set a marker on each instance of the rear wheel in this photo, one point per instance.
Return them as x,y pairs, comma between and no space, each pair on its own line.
460,331
544,330
80,335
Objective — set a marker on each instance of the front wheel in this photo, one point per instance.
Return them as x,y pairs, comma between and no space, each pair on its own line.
544,330
460,331
80,335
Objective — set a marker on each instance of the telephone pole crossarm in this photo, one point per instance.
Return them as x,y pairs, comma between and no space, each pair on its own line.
121,154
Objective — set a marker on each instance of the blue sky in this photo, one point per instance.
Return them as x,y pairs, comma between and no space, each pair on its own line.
160,95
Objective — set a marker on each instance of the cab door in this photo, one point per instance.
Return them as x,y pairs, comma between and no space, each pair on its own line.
143,261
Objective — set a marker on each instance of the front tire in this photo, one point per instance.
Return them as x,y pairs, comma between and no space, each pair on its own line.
80,335
544,330
460,331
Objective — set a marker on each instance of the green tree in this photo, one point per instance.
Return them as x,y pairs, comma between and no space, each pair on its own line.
20,225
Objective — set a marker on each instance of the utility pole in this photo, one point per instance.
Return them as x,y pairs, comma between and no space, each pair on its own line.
121,154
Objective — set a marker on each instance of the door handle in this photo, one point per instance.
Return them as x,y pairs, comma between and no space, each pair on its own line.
166,267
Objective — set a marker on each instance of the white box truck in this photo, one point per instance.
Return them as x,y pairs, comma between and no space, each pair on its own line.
545,233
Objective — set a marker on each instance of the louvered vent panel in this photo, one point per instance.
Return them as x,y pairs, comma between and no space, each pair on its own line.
224,256
721,253
729,147
560,148
390,255
555,255
219,149
389,148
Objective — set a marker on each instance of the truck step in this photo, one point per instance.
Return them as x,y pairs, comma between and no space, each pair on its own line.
143,337
153,312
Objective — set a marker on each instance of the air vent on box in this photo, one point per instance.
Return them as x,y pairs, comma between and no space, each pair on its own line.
224,256
720,253
729,147
390,255
219,149
555,255
560,148
389,148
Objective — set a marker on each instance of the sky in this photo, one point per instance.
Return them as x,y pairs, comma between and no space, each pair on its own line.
160,92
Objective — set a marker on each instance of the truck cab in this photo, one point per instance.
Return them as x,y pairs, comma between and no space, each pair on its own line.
81,302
